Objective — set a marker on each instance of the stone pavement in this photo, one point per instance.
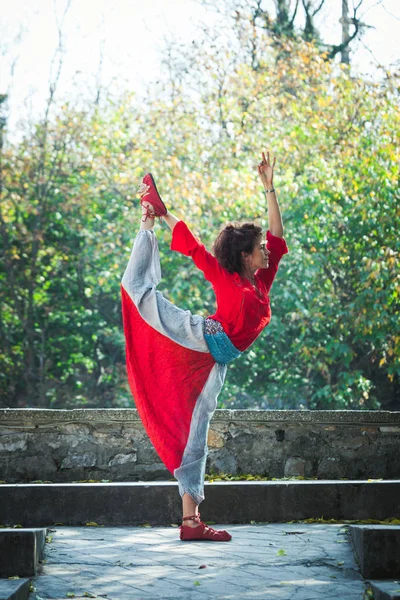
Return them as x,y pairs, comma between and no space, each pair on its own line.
295,561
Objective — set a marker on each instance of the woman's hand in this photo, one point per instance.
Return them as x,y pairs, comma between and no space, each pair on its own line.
143,190
266,171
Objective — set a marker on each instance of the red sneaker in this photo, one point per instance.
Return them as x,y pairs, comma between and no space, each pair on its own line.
152,196
202,532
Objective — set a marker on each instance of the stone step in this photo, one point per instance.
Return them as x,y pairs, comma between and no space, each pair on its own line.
386,590
158,503
378,550
20,551
14,589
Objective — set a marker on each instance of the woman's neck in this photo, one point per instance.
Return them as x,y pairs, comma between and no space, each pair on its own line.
249,274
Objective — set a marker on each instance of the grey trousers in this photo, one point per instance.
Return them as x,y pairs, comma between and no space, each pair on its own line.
140,280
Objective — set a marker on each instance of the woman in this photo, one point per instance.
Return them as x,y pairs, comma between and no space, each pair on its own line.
177,361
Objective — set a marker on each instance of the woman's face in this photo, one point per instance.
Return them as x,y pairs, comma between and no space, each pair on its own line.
259,258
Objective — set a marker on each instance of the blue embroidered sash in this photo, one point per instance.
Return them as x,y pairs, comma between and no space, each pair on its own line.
218,342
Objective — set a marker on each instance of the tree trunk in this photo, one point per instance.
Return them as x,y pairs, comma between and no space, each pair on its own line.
345,53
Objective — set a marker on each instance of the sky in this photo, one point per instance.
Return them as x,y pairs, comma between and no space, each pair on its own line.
129,35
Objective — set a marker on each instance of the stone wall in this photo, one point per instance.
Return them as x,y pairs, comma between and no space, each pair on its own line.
111,444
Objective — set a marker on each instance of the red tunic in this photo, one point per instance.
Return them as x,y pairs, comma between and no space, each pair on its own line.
242,310
166,378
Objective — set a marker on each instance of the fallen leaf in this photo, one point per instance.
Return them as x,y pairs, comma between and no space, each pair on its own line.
88,595
145,525
197,583
202,566
281,552
70,595
92,524
14,577
174,525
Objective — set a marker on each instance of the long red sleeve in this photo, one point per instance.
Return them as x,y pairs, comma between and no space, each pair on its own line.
186,243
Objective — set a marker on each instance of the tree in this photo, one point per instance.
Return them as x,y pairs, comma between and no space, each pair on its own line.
69,222
282,20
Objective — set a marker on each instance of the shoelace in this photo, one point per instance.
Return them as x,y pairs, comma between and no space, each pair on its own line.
149,214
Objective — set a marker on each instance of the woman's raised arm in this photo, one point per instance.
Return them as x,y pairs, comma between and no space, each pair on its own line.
266,173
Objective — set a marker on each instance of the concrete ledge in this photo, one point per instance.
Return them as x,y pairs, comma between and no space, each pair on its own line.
378,550
159,503
37,416
386,590
21,551
17,589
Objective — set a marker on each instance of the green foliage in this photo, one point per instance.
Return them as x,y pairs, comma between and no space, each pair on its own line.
69,217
